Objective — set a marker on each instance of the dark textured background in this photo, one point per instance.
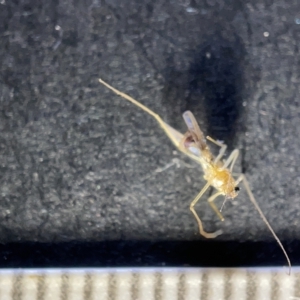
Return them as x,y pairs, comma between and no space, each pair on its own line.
79,167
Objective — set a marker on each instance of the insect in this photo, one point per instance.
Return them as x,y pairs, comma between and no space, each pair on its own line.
217,173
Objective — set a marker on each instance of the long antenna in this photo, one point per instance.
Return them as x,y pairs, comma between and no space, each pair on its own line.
246,184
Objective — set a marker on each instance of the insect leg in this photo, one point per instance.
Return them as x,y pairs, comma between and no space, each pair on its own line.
211,200
202,231
231,159
222,150
242,177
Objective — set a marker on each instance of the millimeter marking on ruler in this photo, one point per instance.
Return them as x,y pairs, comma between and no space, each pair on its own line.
149,283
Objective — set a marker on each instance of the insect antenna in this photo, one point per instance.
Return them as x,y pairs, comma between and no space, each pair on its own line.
252,199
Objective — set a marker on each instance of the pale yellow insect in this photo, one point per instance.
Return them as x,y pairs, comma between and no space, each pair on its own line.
217,173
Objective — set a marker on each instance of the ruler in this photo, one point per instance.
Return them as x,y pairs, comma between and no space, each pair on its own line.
150,283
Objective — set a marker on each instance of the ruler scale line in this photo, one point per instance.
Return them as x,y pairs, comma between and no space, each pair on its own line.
150,283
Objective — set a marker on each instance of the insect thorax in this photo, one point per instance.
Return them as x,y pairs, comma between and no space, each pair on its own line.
221,180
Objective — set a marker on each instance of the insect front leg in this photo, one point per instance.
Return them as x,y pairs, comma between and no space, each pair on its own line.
192,205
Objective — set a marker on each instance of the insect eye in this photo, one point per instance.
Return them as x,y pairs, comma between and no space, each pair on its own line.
237,189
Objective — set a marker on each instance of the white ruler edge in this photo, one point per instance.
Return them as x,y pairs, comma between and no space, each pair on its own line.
150,283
